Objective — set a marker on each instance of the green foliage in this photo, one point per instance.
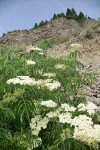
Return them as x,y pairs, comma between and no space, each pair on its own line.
81,17
20,103
54,16
45,44
70,14
74,14
42,23
88,78
35,26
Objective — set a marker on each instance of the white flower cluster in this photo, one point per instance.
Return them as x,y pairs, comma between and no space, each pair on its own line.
49,75
26,80
23,80
82,121
30,62
76,45
53,85
89,107
65,117
67,108
53,114
85,130
60,66
40,53
49,103
33,48
38,123
49,84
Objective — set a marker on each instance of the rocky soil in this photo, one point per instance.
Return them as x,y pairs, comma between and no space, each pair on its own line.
87,32
91,61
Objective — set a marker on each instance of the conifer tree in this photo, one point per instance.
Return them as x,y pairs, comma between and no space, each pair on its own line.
81,16
62,14
69,13
54,16
46,22
35,26
74,14
41,23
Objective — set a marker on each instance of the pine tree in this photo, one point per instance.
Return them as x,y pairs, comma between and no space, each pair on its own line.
46,22
74,14
81,16
54,16
35,26
69,14
62,14
58,15
41,23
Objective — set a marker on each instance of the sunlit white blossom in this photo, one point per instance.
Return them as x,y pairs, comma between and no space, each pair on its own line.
65,117
97,132
38,123
30,62
53,85
76,45
89,134
49,103
49,75
82,121
89,107
13,81
55,113
40,53
33,48
60,66
23,80
26,80
67,108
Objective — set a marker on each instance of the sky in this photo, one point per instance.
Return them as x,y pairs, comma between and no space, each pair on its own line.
23,14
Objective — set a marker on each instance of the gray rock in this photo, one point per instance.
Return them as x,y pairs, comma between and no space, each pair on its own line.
98,96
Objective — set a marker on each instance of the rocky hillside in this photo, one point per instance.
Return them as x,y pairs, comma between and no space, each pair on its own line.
56,28
87,33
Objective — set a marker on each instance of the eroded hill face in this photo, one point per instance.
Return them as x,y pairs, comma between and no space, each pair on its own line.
54,29
87,33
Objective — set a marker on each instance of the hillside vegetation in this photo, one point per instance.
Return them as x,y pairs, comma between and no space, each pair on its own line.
50,85
40,104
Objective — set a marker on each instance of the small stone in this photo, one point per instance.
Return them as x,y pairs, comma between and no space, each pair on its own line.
93,86
71,98
90,94
97,101
98,96
97,91
88,88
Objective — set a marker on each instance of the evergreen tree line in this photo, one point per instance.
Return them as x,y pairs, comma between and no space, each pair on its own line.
70,14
